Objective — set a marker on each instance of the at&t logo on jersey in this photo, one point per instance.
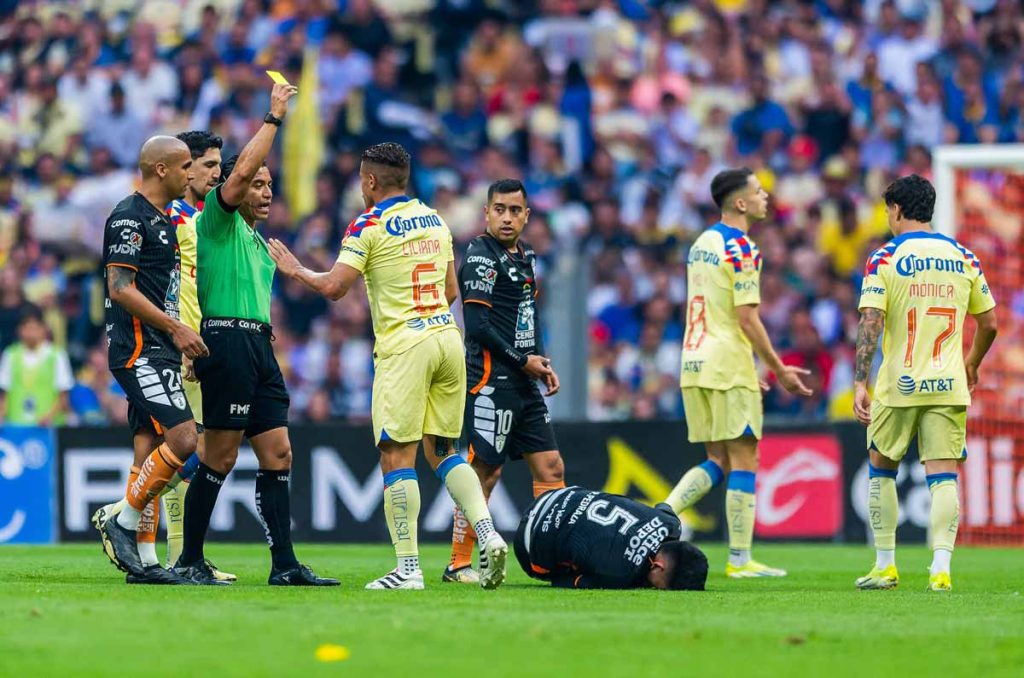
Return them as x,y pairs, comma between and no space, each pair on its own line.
911,264
907,386
397,225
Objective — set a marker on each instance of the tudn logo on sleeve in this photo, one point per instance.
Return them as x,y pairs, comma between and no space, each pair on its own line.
906,385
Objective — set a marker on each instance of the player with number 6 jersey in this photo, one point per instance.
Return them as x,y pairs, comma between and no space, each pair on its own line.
403,250
721,389
920,286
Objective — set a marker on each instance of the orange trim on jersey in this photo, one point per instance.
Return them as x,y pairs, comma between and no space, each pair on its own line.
156,426
538,569
576,582
137,324
487,373
477,301
471,455
124,266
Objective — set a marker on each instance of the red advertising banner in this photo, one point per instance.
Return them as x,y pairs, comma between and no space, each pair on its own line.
800,486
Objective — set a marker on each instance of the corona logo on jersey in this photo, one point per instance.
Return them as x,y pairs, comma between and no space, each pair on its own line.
398,225
911,265
799,486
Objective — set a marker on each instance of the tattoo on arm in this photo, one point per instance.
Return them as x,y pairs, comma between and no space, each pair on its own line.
872,321
120,278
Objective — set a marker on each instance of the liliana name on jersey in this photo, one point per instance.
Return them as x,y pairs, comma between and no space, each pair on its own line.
912,264
931,290
397,225
418,247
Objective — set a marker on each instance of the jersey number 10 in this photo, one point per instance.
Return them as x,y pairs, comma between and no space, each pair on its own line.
943,312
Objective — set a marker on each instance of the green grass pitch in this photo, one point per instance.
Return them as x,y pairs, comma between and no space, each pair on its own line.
66,611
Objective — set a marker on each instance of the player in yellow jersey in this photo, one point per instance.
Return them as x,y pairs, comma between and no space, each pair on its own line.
205,149
919,287
403,249
721,389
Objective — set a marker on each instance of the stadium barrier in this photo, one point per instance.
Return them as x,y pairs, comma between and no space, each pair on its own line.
811,485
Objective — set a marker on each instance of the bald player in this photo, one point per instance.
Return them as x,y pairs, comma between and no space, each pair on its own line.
146,339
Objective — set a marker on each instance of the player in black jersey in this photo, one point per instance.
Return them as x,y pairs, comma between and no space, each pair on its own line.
579,538
506,416
146,339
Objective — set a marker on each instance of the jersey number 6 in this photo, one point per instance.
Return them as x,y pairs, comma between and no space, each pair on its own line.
424,293
943,312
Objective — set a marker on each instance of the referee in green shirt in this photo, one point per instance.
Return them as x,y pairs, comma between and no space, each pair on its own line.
244,393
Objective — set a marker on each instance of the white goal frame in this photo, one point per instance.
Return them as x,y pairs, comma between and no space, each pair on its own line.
947,159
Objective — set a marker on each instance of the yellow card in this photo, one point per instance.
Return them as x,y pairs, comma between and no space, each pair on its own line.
277,77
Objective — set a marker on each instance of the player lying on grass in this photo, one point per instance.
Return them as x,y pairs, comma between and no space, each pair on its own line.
506,416
578,538
919,286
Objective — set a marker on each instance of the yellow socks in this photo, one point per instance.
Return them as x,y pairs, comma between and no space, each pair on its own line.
402,512
945,519
464,487
883,514
692,487
739,515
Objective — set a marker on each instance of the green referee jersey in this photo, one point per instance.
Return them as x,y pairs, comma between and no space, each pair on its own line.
234,272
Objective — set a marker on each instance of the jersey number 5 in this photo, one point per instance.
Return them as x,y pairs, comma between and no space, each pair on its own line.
617,513
696,324
943,312
425,295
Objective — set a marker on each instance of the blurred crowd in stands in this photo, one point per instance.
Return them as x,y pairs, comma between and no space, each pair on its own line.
615,113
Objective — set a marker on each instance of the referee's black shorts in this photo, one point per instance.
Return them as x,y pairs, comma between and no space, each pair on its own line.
243,388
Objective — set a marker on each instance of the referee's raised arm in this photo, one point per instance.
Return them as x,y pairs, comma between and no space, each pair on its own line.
233,190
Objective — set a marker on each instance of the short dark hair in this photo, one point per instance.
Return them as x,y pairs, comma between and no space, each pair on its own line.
728,182
395,161
199,141
914,195
687,566
228,166
505,186
29,313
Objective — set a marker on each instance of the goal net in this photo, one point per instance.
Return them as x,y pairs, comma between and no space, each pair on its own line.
980,202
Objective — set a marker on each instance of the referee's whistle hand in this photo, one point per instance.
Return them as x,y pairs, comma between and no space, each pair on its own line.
279,97
189,342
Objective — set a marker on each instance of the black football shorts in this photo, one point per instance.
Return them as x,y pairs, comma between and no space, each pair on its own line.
156,399
505,424
243,388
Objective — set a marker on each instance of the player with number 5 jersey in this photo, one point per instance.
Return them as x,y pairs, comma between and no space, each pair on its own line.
919,287
403,250
721,389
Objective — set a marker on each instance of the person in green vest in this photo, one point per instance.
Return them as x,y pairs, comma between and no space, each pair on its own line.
35,376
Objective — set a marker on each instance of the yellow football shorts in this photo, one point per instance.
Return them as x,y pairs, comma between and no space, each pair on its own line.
194,396
941,431
714,415
421,391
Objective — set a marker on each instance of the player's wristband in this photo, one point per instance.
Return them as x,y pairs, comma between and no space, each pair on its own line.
272,119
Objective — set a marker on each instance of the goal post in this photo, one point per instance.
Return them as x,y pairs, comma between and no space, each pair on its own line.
980,202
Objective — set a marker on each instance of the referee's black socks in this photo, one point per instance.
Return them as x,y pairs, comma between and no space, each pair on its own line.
274,506
199,503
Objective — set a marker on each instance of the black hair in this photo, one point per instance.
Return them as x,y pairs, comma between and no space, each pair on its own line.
505,186
914,195
200,141
30,312
687,566
728,182
394,158
228,166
